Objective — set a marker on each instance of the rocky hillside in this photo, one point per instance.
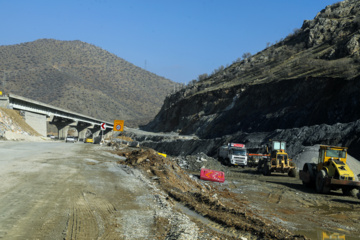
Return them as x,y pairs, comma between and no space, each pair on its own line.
83,78
306,84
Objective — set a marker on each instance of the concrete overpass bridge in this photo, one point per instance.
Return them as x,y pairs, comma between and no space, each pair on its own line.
37,114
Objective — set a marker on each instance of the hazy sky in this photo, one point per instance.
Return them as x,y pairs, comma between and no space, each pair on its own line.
176,39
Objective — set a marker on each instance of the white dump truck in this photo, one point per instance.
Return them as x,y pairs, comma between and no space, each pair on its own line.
233,154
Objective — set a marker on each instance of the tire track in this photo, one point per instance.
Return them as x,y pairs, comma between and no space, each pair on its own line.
91,217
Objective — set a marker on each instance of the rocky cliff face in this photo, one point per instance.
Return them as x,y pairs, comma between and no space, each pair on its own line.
262,107
310,79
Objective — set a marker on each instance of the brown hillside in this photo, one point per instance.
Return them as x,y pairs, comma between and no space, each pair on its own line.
84,78
309,78
304,89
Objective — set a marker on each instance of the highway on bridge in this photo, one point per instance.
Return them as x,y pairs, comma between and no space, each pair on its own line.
37,114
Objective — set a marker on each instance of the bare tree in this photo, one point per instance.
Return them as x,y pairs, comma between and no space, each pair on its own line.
246,55
203,76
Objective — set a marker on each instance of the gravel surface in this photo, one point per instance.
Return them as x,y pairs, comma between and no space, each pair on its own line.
57,190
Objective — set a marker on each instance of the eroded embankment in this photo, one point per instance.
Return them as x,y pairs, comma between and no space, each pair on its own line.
219,205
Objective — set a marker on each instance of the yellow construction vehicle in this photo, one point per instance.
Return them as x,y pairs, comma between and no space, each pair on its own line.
331,172
277,161
331,236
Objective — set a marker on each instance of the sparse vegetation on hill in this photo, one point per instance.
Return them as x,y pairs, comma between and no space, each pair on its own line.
310,78
82,77
327,46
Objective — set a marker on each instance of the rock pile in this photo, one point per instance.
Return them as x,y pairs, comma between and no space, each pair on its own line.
193,163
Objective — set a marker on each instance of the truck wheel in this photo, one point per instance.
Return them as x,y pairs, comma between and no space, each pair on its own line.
306,170
320,182
222,161
349,191
228,163
259,166
266,170
292,172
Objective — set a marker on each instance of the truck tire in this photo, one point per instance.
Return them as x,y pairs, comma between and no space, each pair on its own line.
348,191
320,182
266,170
292,172
259,166
306,170
227,162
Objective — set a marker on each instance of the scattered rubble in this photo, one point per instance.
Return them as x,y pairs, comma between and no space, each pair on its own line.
206,198
193,163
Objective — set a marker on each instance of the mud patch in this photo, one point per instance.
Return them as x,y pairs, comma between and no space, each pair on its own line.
207,199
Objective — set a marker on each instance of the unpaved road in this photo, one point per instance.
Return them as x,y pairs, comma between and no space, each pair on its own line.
57,190
288,203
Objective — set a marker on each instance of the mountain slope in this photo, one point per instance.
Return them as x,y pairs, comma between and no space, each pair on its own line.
84,78
310,78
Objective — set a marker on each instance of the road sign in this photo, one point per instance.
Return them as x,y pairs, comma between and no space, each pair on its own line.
103,126
118,125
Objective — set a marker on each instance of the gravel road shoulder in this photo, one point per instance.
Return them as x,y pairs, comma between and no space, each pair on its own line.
78,191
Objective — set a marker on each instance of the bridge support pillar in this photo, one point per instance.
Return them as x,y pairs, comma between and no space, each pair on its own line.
82,134
108,133
96,130
36,121
63,131
82,128
62,126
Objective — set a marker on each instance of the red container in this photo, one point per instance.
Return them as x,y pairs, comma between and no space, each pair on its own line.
212,175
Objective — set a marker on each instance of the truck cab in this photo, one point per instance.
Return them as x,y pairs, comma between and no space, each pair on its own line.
233,154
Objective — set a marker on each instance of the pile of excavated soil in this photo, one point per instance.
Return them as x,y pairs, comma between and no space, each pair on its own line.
193,163
205,198
125,138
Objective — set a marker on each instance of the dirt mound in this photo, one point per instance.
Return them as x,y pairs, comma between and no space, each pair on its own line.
125,138
14,127
206,198
193,163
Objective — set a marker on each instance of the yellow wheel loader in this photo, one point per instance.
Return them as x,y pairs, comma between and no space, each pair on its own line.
277,161
331,172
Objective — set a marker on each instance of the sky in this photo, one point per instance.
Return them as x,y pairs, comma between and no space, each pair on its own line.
175,39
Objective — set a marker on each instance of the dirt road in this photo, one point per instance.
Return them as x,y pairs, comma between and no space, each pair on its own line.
288,203
267,207
57,190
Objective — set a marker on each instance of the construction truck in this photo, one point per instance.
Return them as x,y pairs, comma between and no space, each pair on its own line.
277,160
331,172
329,235
255,158
233,154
